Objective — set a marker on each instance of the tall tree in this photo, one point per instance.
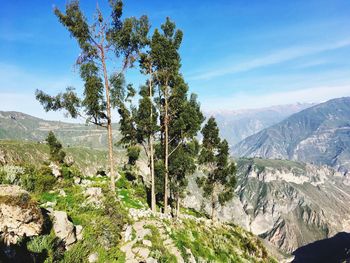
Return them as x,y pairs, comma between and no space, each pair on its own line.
220,180
186,122
146,120
105,37
56,150
166,61
148,114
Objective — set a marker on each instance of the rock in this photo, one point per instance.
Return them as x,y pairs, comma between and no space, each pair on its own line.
77,180
147,243
94,196
128,233
151,260
93,258
19,215
141,252
79,232
69,160
64,229
55,170
62,193
191,258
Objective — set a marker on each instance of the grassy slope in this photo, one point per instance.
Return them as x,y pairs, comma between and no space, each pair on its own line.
86,159
211,243
20,126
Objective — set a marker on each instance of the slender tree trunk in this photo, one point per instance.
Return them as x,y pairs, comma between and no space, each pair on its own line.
153,192
166,149
109,121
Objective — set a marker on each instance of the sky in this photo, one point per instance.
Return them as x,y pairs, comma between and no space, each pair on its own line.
235,54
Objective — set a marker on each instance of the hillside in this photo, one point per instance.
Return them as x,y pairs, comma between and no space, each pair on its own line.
237,125
319,135
289,204
83,221
89,161
20,126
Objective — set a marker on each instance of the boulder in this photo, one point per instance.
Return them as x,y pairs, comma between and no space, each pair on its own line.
19,215
93,258
56,171
94,196
79,232
64,229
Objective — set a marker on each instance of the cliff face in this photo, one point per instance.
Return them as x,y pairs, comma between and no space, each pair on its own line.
318,135
287,203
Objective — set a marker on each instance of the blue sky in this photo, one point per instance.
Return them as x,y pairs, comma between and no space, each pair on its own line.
235,54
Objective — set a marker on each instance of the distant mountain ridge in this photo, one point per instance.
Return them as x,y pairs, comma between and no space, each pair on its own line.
319,135
20,126
236,125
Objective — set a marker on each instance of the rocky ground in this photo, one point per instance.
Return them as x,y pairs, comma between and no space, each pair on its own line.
77,220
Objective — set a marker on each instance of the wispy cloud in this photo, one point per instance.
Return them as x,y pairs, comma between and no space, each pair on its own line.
250,101
18,85
312,63
16,78
277,57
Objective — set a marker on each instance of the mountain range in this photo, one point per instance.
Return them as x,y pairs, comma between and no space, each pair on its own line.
319,135
237,125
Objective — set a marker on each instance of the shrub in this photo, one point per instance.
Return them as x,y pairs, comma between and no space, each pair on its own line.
44,183
11,174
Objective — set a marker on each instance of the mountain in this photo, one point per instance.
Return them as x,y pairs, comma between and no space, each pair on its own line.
20,126
319,135
289,204
239,124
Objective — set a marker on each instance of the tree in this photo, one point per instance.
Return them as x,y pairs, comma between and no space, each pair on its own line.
122,38
220,180
56,152
146,121
166,63
186,122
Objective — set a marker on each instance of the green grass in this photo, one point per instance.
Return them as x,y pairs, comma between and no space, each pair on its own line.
158,250
218,243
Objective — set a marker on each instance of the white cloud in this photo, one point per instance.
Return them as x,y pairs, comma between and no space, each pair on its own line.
17,90
14,78
277,57
245,101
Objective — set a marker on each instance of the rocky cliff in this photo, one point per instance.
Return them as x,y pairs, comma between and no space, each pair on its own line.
290,204
319,135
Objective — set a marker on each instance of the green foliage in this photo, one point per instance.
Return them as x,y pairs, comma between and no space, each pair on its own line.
220,181
158,250
218,243
56,152
44,182
47,247
125,37
133,153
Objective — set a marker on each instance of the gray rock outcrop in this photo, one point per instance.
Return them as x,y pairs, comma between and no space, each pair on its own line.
19,215
64,229
289,204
